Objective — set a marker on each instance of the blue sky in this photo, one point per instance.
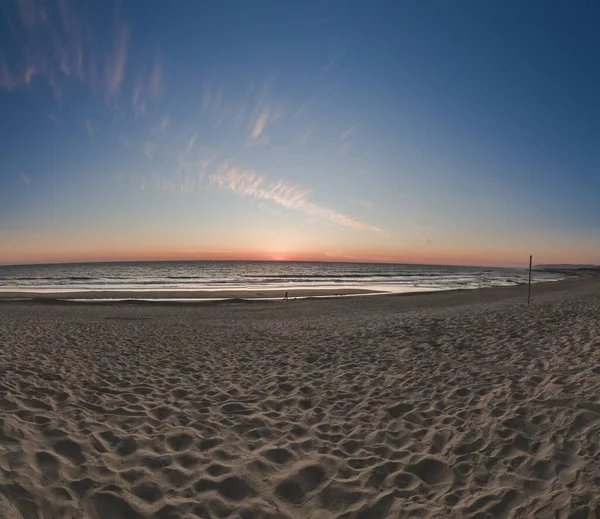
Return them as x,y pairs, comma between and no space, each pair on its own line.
444,132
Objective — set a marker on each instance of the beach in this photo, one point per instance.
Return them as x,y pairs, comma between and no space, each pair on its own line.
459,404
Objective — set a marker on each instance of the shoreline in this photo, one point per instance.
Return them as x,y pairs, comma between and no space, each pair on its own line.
219,297
180,295
100,287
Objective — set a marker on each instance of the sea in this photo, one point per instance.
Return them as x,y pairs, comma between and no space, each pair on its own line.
253,276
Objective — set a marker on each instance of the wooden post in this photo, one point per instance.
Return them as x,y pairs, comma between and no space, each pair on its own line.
529,288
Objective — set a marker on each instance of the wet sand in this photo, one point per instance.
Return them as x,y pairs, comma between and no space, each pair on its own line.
184,294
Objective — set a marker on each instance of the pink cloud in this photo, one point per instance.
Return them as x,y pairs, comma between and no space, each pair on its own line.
53,41
268,113
260,123
255,185
155,84
116,63
29,73
192,176
249,183
48,42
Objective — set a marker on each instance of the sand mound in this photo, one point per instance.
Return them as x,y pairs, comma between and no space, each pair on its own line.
323,409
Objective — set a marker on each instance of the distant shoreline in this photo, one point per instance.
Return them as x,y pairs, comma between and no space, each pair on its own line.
583,271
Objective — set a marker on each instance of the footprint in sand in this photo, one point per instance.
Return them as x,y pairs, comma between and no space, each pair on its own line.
70,450
432,471
105,505
48,465
295,488
278,455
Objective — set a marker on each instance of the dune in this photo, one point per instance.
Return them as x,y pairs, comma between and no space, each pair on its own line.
464,405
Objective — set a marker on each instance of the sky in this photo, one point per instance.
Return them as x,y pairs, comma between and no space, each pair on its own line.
392,131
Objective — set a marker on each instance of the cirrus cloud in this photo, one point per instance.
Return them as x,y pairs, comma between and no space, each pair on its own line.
257,185
195,175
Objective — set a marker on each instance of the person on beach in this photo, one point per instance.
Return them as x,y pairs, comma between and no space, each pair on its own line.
285,297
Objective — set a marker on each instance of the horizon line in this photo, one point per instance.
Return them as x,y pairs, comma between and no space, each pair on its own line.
358,262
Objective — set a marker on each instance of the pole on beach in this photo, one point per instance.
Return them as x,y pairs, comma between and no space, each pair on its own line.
529,287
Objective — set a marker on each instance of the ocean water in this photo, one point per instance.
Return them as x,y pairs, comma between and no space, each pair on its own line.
253,276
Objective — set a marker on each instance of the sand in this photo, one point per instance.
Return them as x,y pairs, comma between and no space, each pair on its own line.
183,294
465,405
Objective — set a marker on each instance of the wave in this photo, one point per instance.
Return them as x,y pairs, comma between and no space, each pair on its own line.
241,278
253,276
350,275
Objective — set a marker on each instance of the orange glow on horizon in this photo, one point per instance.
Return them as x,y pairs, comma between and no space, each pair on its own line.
489,258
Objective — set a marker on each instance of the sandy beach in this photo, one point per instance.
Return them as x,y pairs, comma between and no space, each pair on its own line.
466,404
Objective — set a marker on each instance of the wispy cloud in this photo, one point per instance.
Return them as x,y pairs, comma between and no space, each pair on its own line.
48,41
29,75
290,196
348,132
363,203
197,174
116,63
89,128
53,42
265,111
267,115
155,83
193,164
305,135
148,86
138,102
148,149
252,184
212,99
52,117
330,64
260,123
161,126
191,142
